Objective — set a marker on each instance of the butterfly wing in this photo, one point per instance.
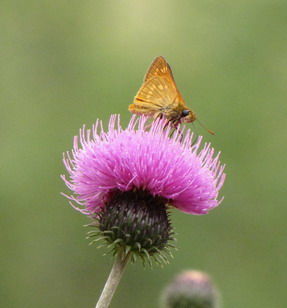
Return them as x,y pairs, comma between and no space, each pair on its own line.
158,95
159,68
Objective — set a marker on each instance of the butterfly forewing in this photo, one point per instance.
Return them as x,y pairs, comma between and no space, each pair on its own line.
157,95
159,67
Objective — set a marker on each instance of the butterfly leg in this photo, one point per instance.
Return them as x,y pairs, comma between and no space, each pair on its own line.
179,132
148,126
175,127
156,116
181,135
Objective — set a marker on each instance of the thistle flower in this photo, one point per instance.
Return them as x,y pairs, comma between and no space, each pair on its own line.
126,178
190,289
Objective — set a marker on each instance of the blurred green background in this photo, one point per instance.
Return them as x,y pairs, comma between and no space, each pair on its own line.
65,63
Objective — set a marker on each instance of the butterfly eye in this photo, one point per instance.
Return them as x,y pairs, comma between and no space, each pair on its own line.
185,113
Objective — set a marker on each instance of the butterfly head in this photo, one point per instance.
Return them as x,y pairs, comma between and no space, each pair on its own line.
188,116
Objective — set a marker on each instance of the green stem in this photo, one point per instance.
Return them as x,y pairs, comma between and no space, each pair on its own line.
115,276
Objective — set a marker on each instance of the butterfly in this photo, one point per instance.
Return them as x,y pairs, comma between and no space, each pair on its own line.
159,96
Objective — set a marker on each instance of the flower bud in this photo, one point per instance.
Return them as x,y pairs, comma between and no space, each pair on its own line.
190,289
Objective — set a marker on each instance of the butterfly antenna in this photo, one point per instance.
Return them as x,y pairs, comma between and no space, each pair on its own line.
209,130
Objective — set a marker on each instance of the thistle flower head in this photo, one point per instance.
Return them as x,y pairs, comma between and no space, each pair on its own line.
184,173
125,178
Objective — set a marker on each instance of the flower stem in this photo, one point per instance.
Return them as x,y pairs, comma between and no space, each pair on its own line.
115,276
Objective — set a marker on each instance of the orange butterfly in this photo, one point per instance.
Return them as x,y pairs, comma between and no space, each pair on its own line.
159,96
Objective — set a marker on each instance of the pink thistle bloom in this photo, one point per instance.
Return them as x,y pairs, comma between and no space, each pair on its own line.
186,174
